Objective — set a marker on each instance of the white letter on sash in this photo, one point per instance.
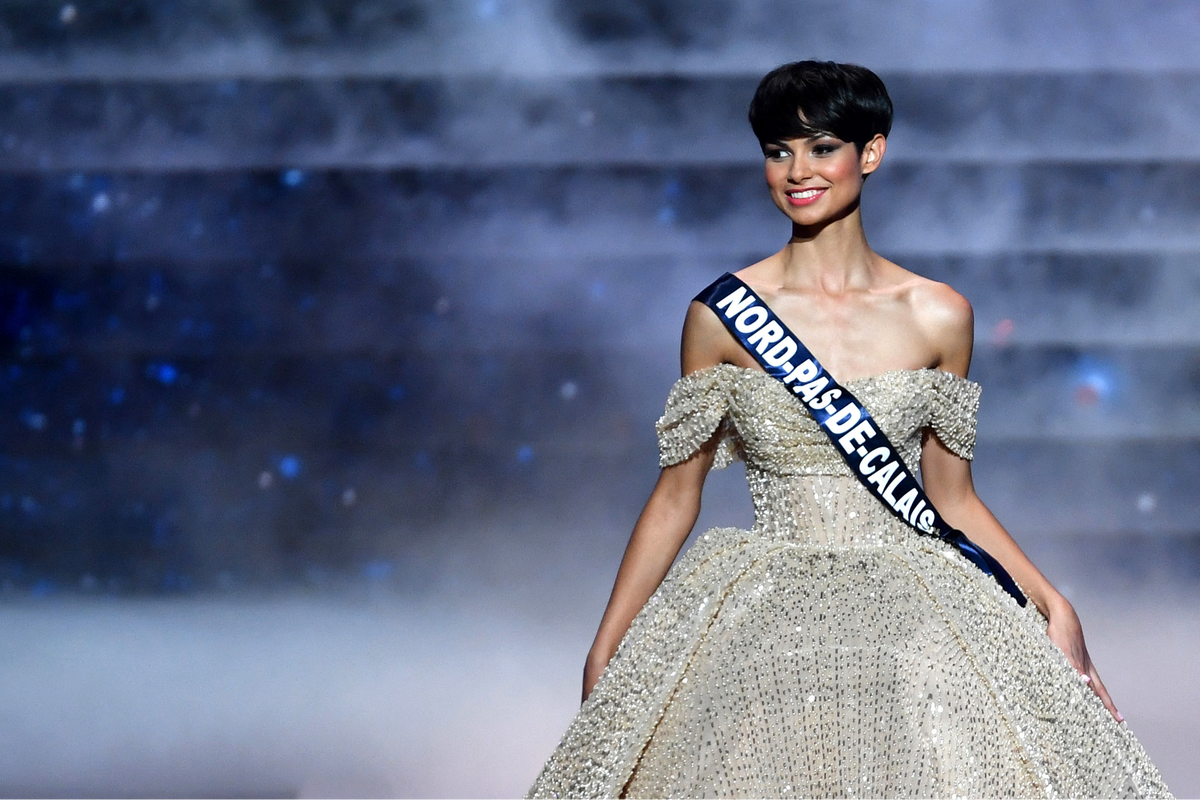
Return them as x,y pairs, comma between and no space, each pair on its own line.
765,335
780,352
857,436
744,324
925,523
844,420
865,467
826,399
884,474
905,504
912,518
736,300
803,373
808,391
889,492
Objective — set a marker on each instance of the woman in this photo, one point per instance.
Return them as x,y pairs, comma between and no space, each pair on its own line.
834,649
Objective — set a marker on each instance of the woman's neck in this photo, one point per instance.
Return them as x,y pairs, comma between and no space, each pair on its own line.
834,258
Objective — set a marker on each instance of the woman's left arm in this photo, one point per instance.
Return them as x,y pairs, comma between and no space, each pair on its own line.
948,482
947,479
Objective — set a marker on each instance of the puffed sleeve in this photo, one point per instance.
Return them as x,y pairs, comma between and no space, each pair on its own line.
697,407
953,406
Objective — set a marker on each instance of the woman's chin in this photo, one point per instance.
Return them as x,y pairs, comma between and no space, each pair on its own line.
819,214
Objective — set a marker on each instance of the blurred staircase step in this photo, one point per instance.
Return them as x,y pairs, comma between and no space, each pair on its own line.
653,120
572,212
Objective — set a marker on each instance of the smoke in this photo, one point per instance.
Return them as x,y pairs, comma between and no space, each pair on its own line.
336,334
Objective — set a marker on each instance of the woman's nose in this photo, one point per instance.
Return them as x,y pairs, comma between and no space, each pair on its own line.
800,169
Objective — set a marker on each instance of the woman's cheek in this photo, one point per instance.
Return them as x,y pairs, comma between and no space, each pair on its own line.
843,169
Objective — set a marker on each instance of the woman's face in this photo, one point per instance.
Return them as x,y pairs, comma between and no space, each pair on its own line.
820,178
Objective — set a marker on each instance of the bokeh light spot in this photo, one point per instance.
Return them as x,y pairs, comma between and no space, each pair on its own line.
289,466
1003,331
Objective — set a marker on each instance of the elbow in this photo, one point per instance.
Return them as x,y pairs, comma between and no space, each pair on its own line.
956,506
679,490
679,487
678,502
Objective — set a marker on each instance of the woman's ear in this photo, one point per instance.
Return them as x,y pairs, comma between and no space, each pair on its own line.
872,154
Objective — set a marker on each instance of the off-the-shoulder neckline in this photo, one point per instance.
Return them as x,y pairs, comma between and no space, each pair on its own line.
864,379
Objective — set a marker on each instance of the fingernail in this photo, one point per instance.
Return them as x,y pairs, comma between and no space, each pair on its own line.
1120,717
1086,678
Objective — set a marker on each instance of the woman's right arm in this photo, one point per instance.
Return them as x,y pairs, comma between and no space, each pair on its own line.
670,513
660,531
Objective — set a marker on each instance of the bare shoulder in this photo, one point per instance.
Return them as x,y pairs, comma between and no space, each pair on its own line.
705,341
946,320
937,307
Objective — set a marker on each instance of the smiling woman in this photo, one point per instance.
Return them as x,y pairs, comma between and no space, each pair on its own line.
820,129
854,641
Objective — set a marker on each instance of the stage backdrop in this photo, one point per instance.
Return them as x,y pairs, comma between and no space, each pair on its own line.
334,335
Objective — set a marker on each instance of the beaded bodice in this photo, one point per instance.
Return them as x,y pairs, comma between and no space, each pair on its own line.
801,487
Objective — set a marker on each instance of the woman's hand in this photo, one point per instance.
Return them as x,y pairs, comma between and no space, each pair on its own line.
597,660
1066,631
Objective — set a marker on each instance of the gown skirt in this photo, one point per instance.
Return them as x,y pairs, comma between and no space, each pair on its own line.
831,650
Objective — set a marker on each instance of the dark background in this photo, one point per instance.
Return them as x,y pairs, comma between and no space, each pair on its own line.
371,306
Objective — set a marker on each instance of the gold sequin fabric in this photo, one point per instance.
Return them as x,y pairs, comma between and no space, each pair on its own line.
831,650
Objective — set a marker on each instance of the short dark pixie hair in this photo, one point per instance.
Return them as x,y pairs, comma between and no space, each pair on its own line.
813,98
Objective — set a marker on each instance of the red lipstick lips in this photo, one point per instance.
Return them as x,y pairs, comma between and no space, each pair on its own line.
804,197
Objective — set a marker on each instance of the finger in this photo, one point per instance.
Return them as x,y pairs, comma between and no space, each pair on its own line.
1101,692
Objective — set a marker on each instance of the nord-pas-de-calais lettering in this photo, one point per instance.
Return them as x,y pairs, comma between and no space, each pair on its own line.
857,437
866,449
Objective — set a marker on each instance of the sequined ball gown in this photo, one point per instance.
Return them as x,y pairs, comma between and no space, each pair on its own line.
832,651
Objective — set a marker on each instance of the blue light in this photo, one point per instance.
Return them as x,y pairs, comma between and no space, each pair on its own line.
525,454
293,177
289,467
1095,380
116,396
1098,381
166,374
34,420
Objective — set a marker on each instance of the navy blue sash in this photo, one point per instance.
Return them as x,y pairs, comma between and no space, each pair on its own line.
872,458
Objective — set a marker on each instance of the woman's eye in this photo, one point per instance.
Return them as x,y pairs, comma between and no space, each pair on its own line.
776,155
823,149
